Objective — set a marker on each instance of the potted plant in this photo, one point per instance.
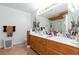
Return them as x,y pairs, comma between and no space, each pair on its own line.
73,24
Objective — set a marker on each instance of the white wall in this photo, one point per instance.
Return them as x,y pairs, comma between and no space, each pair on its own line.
22,21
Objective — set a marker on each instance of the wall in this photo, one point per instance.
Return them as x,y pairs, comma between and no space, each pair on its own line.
22,21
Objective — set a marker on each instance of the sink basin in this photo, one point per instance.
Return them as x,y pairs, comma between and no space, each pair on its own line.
63,39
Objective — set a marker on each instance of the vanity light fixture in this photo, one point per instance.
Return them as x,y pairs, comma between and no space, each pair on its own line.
46,8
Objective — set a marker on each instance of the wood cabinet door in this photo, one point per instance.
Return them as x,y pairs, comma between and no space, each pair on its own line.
32,39
38,44
53,45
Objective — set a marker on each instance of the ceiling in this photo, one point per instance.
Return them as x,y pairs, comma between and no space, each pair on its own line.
27,7
32,8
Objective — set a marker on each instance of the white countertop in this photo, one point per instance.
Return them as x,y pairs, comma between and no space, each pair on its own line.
64,40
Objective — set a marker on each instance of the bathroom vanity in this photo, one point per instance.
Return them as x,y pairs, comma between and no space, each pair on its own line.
44,45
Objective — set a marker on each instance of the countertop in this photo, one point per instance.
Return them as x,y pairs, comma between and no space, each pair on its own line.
64,40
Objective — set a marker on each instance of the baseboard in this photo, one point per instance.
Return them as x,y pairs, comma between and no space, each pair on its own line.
18,43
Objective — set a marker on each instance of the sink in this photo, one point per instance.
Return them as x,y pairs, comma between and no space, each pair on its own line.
63,39
47,36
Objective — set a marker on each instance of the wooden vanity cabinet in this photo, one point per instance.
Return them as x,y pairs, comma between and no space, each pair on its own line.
49,47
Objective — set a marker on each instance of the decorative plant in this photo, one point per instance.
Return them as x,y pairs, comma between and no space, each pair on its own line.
38,24
34,24
73,24
77,23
